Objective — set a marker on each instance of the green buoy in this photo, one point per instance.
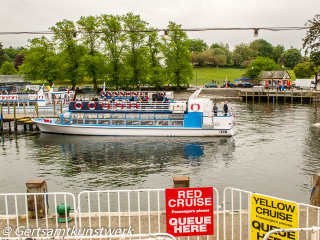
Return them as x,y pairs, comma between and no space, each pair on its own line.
61,211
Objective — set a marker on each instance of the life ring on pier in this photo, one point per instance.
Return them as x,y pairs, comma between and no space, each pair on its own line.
94,105
128,93
109,94
196,108
136,105
162,94
116,94
78,107
122,94
105,105
135,93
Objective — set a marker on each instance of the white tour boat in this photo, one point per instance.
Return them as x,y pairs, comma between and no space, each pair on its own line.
141,118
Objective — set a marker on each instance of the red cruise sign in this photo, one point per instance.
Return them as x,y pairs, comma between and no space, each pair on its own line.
189,211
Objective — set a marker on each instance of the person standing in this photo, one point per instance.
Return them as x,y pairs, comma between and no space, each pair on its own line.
225,108
215,109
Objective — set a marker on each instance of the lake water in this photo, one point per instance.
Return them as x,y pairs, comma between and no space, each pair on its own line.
275,152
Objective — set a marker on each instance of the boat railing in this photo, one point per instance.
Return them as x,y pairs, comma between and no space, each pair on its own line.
120,106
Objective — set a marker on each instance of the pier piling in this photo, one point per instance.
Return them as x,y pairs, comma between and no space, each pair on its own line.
181,182
1,117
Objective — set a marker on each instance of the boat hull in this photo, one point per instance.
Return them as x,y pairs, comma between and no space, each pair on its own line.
131,131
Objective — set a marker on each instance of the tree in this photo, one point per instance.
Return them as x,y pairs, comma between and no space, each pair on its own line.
157,75
70,53
8,68
12,52
40,62
304,70
241,53
176,51
197,45
311,43
291,57
114,40
93,62
18,60
262,48
224,48
136,50
276,53
3,55
260,64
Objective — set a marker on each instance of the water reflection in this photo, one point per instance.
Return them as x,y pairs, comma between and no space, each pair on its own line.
123,162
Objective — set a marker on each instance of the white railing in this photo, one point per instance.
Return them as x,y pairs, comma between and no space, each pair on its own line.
309,215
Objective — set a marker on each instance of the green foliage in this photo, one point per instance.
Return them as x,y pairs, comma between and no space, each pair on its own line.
291,57
241,53
197,45
262,48
311,43
3,55
40,61
70,52
135,57
92,62
276,53
225,48
176,51
260,64
8,68
114,40
304,70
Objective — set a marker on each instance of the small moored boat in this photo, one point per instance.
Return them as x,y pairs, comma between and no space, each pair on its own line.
141,118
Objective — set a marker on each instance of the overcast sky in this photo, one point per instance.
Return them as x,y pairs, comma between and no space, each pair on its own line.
39,15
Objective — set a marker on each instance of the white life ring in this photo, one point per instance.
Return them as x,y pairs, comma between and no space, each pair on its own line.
197,107
105,105
76,105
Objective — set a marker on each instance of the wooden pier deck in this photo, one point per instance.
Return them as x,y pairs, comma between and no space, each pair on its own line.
284,96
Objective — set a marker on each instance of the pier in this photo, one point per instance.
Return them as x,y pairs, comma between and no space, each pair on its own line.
284,96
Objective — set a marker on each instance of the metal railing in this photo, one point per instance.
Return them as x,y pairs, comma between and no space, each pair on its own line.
314,233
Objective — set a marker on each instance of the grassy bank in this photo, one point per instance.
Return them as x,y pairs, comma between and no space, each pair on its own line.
206,75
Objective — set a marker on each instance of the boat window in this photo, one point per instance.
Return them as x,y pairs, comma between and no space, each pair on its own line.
162,123
132,116
132,122
104,115
147,116
76,121
104,122
162,116
58,120
66,116
146,122
176,116
77,115
90,121
176,123
91,115
117,122
118,116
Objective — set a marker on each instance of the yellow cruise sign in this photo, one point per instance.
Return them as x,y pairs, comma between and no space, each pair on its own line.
269,213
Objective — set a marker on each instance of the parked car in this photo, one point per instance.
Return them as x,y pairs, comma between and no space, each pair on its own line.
211,85
62,89
247,85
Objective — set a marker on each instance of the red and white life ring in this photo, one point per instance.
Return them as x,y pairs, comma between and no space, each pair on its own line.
197,108
76,105
122,94
130,105
128,93
109,94
136,105
135,93
162,94
116,94
94,105
105,105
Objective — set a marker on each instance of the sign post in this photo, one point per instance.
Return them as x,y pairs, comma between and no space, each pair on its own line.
189,211
270,213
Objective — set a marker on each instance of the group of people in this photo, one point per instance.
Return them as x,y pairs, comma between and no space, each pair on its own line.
225,109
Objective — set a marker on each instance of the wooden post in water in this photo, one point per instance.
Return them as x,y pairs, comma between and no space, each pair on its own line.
54,108
276,95
259,96
310,94
252,95
8,108
268,95
284,95
239,94
292,95
14,117
301,96
1,117
24,108
246,95
61,110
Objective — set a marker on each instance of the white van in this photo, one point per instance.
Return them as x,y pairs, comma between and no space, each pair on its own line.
305,83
